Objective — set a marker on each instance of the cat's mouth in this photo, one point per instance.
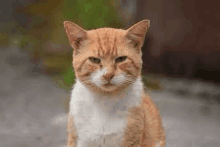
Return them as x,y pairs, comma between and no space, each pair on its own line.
108,84
109,87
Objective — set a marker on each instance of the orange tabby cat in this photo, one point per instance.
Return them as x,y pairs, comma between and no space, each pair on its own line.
108,106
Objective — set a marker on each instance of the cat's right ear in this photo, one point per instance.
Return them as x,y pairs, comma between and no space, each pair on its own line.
75,33
137,32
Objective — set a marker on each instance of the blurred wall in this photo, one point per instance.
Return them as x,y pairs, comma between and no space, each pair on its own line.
184,37
183,40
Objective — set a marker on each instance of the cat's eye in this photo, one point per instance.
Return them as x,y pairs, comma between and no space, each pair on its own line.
95,60
120,59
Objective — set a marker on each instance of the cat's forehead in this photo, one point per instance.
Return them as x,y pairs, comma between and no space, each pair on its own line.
106,41
106,33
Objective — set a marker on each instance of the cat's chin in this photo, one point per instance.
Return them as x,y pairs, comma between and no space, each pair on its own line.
112,89
108,87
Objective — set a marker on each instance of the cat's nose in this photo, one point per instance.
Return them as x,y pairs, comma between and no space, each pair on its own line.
108,76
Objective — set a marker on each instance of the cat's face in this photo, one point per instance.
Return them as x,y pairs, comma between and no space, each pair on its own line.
107,59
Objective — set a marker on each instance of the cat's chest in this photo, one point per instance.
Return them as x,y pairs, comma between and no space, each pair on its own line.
97,120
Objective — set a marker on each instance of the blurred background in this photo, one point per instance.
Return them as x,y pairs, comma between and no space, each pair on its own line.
181,67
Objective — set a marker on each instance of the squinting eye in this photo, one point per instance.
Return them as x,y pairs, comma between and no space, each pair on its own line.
95,60
120,59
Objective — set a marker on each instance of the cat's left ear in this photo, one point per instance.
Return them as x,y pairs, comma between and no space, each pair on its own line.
136,33
75,33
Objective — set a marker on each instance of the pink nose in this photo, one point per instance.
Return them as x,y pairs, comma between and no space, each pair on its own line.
108,76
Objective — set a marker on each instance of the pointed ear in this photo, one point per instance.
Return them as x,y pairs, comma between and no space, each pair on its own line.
75,33
136,33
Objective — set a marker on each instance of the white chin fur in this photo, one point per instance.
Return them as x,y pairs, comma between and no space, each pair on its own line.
118,80
96,78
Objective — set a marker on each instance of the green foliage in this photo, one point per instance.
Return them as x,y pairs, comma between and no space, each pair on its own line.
28,41
91,14
4,38
69,77
152,82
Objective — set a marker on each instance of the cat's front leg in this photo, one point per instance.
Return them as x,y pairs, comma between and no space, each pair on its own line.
71,132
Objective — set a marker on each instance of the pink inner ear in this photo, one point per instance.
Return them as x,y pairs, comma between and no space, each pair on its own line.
135,38
137,32
75,34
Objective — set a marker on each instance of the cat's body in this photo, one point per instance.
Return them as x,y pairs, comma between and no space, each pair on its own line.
108,106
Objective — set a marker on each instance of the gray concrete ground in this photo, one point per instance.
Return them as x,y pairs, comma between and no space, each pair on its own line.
32,115
31,112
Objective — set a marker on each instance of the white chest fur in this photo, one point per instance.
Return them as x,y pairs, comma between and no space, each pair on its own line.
99,120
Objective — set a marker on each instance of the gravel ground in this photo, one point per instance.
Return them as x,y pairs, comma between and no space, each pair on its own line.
32,114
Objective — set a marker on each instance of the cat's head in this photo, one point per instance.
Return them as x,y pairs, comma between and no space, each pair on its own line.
107,59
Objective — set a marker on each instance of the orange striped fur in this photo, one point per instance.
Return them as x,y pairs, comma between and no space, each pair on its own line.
144,125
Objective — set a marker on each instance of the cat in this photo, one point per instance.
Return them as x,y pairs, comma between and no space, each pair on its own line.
108,105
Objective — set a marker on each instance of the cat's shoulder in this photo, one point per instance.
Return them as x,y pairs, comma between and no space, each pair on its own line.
148,104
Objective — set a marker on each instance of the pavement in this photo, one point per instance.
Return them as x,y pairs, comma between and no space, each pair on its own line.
31,111
32,114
